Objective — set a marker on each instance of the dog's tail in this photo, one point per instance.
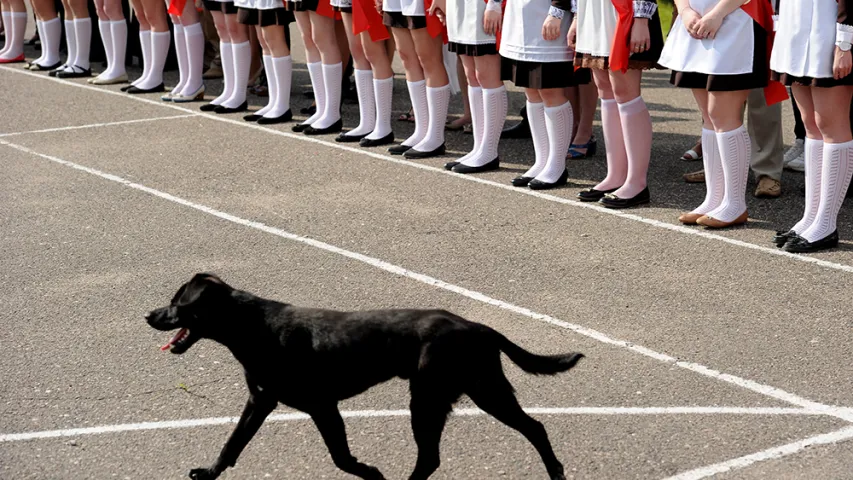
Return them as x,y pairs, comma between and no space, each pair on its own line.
538,364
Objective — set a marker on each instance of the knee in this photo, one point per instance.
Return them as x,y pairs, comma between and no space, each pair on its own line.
375,56
322,39
553,96
472,78
113,10
409,58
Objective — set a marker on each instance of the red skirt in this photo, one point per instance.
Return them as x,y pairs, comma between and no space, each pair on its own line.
365,18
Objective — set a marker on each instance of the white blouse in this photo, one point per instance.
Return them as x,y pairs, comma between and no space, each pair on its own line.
805,38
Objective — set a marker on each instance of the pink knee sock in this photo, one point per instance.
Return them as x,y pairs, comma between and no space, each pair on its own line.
637,131
614,142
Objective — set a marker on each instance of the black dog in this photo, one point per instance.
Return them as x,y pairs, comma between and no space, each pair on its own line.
310,359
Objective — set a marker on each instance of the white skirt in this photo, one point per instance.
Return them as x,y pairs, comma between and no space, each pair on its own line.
805,39
521,36
341,3
730,53
465,22
596,27
409,8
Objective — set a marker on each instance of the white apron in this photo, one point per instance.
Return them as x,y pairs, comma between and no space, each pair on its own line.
340,3
465,22
805,38
596,27
730,53
521,37
409,8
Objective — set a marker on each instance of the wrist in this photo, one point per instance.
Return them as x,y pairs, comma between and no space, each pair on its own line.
557,13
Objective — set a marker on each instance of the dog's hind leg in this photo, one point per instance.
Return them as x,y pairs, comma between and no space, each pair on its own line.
429,414
333,431
494,395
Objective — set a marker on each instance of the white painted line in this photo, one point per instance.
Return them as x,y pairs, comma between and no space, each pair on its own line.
97,125
764,455
464,412
471,178
474,295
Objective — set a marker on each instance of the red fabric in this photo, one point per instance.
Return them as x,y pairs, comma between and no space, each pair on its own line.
498,36
620,50
434,26
176,7
325,9
365,18
761,12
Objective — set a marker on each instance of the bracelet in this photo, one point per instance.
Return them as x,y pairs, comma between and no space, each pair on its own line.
556,12
644,9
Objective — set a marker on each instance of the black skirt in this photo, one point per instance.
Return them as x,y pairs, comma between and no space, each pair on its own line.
301,5
342,9
265,18
759,77
789,80
473,50
542,75
398,20
227,8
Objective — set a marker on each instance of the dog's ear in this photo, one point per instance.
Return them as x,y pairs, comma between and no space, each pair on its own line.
210,277
191,291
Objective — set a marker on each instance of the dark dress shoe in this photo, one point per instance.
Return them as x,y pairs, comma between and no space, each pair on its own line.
782,237
612,201
593,195
252,117
308,110
50,68
450,165
76,72
493,165
207,107
300,127
521,181
344,138
399,149
520,130
283,118
386,140
799,244
413,154
56,70
539,185
223,110
137,90
333,128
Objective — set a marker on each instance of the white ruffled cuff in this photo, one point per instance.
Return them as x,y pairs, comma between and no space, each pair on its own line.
574,6
644,9
843,33
494,6
556,12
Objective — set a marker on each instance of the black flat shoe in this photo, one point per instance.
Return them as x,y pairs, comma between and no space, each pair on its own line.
223,110
612,201
593,195
58,69
207,107
300,127
539,185
450,165
125,88
344,138
519,130
782,237
799,244
333,128
399,149
252,117
493,165
283,118
521,181
308,110
41,68
76,72
386,140
413,154
138,91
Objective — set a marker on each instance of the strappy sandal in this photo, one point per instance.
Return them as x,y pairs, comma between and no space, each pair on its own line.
589,149
693,154
407,117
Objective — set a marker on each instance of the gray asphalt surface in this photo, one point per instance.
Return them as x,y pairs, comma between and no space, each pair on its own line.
83,258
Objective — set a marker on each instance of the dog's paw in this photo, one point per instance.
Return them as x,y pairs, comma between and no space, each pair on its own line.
202,474
373,473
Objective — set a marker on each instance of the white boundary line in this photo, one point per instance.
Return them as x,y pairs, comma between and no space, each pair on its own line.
837,436
464,412
543,196
751,385
96,125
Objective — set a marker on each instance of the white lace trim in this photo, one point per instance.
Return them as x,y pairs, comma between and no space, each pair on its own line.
556,12
843,33
644,9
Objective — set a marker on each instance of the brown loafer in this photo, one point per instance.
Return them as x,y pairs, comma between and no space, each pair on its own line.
768,188
695,177
709,222
690,218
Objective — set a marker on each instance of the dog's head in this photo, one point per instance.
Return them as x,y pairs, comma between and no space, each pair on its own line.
194,311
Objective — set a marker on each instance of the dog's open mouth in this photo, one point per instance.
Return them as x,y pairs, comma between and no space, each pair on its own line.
179,343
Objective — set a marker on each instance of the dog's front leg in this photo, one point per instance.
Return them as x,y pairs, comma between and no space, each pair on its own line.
256,411
332,429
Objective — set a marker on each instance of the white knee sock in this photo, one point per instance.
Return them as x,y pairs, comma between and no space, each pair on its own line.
494,116
420,108
227,60
383,94
272,85
536,119
83,36
332,76
181,53
50,33
145,46
283,68
7,26
241,55
814,166
315,71
40,29
438,99
70,43
159,51
15,31
715,184
194,39
107,40
118,30
475,104
558,122
366,103
735,149
835,178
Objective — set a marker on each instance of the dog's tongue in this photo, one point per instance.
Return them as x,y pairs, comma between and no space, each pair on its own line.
173,340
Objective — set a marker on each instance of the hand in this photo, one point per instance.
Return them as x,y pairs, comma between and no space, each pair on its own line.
492,22
551,28
438,8
690,19
842,64
640,38
572,36
378,4
708,25
203,474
